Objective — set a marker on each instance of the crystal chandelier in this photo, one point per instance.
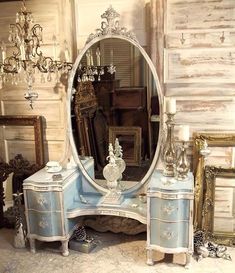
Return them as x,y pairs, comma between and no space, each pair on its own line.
27,59
92,72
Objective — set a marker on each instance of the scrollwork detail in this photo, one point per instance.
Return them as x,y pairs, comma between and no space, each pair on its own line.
111,26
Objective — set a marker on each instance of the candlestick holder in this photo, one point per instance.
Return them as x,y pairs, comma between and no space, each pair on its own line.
182,165
169,155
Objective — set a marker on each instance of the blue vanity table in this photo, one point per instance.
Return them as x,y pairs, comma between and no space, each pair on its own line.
56,203
170,215
54,208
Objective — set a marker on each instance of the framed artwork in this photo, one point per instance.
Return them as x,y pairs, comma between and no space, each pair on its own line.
203,142
219,205
130,140
19,166
36,123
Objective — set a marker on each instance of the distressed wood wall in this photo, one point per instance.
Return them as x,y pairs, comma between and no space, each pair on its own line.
199,62
53,17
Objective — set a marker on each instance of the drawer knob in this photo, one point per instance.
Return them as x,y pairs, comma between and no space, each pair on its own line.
167,234
41,200
43,223
169,208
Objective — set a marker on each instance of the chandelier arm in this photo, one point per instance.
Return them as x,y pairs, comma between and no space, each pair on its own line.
34,29
37,36
10,65
16,53
45,64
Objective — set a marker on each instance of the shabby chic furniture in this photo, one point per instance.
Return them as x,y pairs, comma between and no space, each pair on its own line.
48,199
170,215
57,203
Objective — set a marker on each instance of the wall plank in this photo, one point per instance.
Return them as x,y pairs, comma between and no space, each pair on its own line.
191,15
197,65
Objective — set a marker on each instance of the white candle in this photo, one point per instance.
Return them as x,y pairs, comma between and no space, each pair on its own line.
171,106
98,56
67,55
111,56
3,56
88,60
22,52
184,133
54,47
3,49
91,58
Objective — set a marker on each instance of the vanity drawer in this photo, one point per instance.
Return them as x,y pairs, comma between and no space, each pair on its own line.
45,223
169,235
43,201
169,210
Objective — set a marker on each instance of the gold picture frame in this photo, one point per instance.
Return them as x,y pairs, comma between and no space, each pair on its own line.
129,138
213,140
219,224
27,120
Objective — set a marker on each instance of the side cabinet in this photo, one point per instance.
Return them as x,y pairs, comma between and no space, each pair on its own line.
44,196
169,216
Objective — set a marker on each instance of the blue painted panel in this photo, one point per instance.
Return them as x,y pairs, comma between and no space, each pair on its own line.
45,223
71,192
169,235
43,201
169,210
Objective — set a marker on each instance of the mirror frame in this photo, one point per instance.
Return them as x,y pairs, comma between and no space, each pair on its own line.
211,173
107,31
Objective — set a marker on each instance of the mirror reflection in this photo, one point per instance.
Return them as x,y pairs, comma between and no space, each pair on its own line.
115,97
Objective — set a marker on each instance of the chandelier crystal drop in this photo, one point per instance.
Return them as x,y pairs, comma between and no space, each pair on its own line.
27,59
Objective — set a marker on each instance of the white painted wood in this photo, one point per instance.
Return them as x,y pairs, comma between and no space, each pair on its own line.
197,65
219,38
224,224
191,15
132,17
202,90
51,110
220,156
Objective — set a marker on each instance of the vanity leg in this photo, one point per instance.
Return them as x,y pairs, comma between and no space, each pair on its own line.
65,248
149,257
32,245
188,258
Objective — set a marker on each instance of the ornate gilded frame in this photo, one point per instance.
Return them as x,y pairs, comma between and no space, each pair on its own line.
135,133
27,120
213,140
211,173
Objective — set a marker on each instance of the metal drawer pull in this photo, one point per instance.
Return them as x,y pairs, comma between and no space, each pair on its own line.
169,208
41,200
168,235
43,223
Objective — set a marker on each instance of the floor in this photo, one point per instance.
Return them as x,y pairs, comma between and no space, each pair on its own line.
114,253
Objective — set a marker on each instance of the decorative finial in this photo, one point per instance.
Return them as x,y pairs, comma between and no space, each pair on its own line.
111,26
110,14
111,156
118,148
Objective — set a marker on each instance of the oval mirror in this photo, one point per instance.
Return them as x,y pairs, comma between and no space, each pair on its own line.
114,94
